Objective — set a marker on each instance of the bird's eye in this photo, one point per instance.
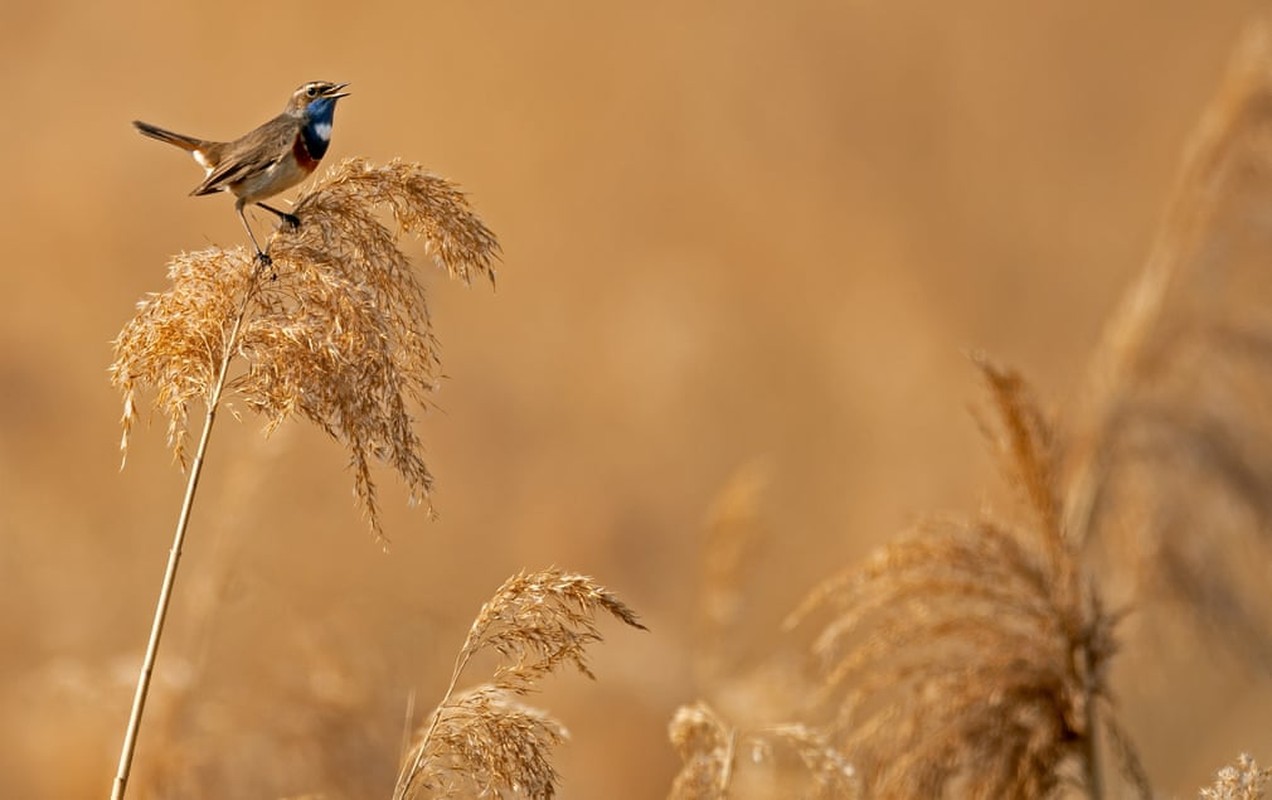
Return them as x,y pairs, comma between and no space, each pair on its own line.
312,91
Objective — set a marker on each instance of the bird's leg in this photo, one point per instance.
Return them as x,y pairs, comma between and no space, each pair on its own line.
260,254
290,220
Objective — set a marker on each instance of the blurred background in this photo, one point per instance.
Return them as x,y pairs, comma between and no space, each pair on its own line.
743,236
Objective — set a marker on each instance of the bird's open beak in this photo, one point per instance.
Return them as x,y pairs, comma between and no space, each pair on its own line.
334,92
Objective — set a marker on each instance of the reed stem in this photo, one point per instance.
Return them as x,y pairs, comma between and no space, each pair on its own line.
174,557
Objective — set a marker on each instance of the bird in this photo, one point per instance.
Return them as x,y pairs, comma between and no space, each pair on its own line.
268,159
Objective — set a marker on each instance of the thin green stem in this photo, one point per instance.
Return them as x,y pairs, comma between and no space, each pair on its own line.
174,556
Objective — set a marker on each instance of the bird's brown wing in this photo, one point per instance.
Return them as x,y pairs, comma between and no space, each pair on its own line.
253,153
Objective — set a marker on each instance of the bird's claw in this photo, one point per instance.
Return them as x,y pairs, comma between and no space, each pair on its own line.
290,221
267,263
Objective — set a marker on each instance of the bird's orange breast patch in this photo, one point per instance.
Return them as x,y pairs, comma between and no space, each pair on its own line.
307,162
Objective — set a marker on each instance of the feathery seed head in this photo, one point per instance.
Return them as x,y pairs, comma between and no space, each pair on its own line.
339,335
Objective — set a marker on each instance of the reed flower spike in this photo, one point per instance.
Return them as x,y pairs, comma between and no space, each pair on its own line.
484,741
338,335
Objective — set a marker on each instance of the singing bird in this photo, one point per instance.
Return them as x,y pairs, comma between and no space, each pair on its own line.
266,160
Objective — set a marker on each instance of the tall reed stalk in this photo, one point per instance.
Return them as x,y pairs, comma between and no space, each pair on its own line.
339,334
174,559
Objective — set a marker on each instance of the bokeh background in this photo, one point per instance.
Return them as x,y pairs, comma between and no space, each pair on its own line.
743,236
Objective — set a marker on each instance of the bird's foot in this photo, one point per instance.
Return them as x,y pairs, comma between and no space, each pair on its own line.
266,263
290,221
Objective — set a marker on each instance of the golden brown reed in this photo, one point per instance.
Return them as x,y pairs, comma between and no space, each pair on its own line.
338,334
1240,781
733,537
1170,468
738,741
484,741
712,750
970,658
707,747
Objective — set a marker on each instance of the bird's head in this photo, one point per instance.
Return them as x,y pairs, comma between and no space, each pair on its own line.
316,99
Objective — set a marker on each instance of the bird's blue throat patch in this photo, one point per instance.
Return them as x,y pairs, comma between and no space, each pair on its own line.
317,131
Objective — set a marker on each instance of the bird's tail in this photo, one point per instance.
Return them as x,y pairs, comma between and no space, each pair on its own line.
187,143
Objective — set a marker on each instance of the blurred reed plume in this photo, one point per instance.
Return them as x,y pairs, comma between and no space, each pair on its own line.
338,334
484,741
1240,781
712,749
708,748
1171,466
971,657
737,741
730,558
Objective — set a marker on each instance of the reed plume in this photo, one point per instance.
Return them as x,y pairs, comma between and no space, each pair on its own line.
707,746
338,334
971,657
739,738
484,741
711,750
733,538
1240,781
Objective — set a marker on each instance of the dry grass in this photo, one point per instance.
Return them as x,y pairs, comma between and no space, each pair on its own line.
707,746
712,750
971,657
738,740
734,535
484,741
967,659
1240,781
338,335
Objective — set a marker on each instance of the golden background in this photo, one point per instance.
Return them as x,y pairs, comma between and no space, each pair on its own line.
734,234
